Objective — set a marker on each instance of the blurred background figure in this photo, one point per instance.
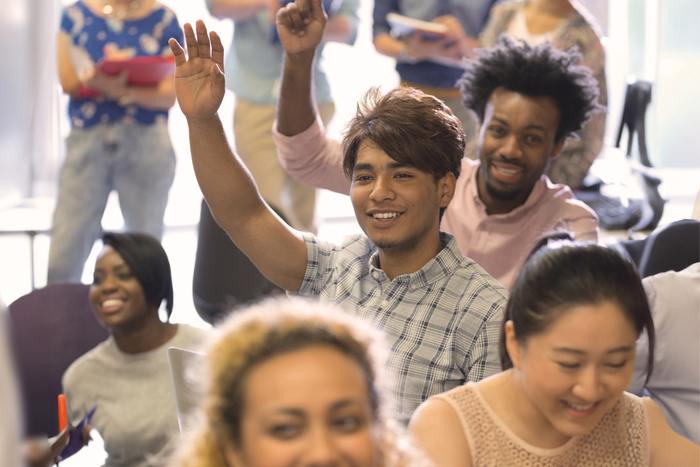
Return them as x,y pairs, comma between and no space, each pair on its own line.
674,299
291,382
431,65
566,24
127,377
253,67
119,135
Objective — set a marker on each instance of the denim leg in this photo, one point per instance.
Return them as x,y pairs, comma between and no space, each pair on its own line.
144,173
84,187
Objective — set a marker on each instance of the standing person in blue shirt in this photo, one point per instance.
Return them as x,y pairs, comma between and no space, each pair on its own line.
119,133
433,65
440,311
253,67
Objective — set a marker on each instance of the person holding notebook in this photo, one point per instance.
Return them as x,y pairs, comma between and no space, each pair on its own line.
119,132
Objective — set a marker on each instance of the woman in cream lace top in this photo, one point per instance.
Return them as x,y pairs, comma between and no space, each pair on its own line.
568,351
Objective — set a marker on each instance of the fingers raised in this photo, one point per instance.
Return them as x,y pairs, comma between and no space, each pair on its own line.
317,10
305,10
202,40
217,50
297,24
191,41
178,53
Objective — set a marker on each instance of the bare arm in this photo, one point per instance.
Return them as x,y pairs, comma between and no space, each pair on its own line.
304,152
668,447
439,432
277,250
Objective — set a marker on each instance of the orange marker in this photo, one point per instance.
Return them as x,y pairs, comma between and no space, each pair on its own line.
62,413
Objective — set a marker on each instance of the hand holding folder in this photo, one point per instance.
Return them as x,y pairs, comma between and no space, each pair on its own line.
140,70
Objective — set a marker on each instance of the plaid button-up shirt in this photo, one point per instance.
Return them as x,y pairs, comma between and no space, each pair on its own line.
441,322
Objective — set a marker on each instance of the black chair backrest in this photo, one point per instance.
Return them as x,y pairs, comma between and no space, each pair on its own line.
672,247
49,329
224,277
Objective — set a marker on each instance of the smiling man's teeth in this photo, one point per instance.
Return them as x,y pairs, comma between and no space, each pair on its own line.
508,172
384,215
580,408
112,302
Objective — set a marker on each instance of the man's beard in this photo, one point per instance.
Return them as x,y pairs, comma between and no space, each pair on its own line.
501,195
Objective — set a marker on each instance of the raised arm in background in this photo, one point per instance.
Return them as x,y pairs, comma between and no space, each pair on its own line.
302,146
277,250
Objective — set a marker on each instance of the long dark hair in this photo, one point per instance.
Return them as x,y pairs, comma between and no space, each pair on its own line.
148,262
560,274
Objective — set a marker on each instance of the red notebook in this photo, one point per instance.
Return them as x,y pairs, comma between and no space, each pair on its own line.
143,71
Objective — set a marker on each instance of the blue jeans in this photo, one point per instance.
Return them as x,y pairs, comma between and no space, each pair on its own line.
136,160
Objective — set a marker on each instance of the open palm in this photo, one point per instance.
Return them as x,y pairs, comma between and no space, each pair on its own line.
199,77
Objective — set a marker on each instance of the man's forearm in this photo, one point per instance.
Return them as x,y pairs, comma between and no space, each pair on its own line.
225,182
296,109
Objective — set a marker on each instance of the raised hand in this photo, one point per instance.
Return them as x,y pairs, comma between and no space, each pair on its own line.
300,25
199,78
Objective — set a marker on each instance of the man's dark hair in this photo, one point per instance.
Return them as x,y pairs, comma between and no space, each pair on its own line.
540,70
411,127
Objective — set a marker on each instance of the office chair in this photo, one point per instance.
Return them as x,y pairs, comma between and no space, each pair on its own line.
637,214
224,277
49,329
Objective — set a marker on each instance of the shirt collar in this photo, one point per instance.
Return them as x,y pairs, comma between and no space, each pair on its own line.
441,265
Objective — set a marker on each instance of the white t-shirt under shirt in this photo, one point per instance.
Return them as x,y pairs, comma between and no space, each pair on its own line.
136,413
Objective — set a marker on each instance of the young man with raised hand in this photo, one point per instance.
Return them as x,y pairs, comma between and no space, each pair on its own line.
528,101
439,310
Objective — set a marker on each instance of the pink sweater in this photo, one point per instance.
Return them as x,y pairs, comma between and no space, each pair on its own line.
499,243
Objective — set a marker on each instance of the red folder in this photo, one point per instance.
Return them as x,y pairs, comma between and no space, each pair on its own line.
143,71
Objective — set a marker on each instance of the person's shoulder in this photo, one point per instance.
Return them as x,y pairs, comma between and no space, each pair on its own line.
191,335
85,365
584,20
478,284
563,200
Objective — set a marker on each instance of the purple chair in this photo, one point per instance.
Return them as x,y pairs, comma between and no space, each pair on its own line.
49,329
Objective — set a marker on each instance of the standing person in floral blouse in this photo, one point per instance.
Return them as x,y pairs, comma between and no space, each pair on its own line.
119,133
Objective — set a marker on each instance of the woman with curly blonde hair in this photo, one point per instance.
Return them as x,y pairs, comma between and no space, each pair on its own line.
291,382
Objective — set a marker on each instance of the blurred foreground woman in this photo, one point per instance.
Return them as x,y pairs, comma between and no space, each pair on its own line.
292,383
